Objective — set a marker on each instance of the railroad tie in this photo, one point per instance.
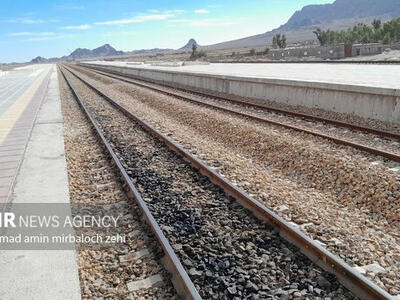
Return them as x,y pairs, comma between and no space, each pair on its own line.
133,256
152,281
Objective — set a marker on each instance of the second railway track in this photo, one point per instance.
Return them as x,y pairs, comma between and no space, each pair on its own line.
382,133
364,140
227,252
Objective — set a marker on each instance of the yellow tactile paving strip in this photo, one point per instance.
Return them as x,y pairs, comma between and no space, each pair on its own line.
8,119
15,127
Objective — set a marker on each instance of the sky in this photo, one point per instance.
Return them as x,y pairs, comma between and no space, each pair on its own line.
53,28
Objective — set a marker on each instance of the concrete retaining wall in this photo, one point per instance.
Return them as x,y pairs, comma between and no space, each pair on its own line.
368,102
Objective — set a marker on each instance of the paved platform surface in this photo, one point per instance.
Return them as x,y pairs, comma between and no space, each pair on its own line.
42,178
381,76
21,93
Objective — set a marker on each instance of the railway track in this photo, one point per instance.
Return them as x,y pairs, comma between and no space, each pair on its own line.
221,230
304,116
185,95
180,278
357,62
127,270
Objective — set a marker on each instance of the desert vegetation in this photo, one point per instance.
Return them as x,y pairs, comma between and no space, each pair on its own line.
279,41
377,32
196,54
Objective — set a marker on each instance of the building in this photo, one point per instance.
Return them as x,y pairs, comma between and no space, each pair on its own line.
326,52
366,49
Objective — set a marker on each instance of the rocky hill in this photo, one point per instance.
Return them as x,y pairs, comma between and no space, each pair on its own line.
339,15
38,60
153,51
188,46
103,51
342,10
82,53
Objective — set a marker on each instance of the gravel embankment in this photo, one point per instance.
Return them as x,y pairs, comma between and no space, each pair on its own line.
335,193
352,119
371,140
348,118
93,180
227,252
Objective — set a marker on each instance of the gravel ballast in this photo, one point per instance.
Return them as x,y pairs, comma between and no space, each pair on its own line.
228,253
371,140
106,273
342,197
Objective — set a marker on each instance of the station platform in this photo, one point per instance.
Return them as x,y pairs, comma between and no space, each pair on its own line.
379,76
33,170
21,92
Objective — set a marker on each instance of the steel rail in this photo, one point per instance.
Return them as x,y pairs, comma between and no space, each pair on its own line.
381,133
180,278
351,279
386,154
339,62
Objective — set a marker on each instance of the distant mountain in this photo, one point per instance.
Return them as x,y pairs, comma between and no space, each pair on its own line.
153,51
342,10
189,45
82,53
339,15
38,60
103,51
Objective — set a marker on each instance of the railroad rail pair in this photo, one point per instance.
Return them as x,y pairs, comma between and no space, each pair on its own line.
357,62
354,281
383,134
